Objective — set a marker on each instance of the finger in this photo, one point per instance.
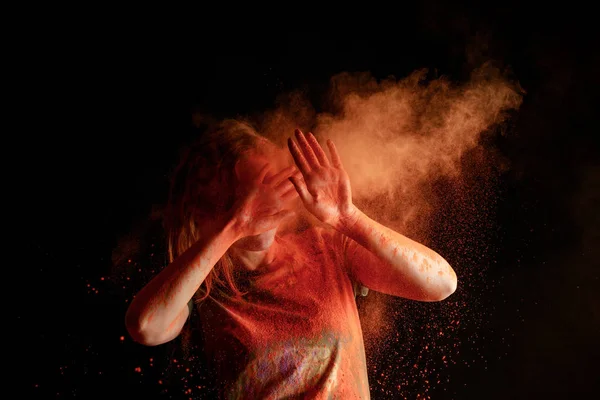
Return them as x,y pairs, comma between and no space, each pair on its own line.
308,152
274,220
281,176
288,185
263,173
298,157
289,195
268,211
284,186
300,187
318,150
335,157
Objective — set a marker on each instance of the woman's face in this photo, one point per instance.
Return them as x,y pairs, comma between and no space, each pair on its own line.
247,169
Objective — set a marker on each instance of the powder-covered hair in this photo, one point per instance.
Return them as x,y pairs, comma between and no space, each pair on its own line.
202,186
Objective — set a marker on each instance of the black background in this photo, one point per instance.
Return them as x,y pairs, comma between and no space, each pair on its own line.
111,106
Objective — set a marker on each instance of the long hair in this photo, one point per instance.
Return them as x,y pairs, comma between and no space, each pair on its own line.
203,186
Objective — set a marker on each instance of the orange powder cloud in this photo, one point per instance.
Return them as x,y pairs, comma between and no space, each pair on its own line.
394,136
397,139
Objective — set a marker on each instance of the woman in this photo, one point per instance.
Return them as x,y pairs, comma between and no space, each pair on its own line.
275,298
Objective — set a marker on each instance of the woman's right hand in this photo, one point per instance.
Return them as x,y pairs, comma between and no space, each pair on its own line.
260,204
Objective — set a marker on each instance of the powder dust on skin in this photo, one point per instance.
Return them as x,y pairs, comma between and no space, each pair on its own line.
413,150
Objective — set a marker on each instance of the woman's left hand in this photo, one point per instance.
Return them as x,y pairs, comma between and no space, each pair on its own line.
325,189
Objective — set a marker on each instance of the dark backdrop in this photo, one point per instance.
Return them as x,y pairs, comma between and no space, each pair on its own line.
112,106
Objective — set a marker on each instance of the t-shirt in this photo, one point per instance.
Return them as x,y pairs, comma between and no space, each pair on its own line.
296,333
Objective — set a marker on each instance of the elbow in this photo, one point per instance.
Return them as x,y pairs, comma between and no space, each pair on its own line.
136,332
147,338
145,335
139,334
449,288
141,337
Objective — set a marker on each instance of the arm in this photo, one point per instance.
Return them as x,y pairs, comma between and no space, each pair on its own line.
159,311
378,257
391,263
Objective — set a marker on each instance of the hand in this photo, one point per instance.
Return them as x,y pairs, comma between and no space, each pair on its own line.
325,189
260,205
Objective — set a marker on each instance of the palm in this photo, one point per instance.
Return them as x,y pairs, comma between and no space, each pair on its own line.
325,188
260,204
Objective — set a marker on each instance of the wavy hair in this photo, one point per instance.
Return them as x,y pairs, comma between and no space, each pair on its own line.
202,186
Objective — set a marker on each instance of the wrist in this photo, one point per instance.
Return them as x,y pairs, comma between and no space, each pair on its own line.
349,220
224,226
231,227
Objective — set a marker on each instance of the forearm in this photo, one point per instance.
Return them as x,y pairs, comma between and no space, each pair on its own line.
407,266
157,311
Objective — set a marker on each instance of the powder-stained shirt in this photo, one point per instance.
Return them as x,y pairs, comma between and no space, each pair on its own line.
296,333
